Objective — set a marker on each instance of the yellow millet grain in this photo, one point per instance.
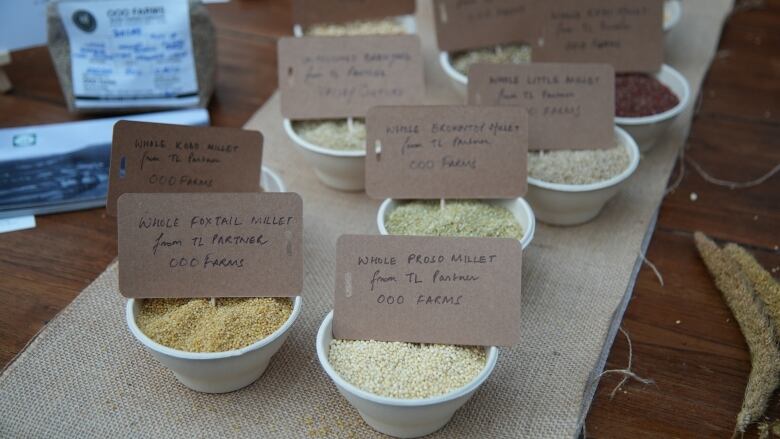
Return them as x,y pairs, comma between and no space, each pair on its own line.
195,325
578,166
505,54
406,370
465,218
333,134
387,26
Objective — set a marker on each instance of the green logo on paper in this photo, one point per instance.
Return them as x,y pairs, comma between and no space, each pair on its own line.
85,21
27,139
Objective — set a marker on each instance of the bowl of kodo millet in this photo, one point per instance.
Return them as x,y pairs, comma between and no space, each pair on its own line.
213,346
647,104
335,149
672,14
403,390
510,218
404,24
569,187
457,64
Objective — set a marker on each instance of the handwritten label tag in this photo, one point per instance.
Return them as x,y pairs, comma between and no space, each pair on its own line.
628,34
210,245
476,24
152,157
327,77
570,106
307,12
463,291
130,53
433,152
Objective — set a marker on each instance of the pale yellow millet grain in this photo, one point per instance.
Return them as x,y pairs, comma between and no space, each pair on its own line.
386,26
406,370
464,218
333,133
584,166
504,54
195,325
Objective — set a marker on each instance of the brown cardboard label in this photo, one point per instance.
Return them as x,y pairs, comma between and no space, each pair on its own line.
475,24
570,106
210,245
307,12
432,152
628,34
153,157
463,291
332,77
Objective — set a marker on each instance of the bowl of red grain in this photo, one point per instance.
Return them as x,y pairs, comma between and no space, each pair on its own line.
647,104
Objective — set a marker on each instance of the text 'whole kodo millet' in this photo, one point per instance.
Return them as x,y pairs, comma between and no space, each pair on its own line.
464,218
504,54
387,26
575,167
197,325
336,134
406,370
641,95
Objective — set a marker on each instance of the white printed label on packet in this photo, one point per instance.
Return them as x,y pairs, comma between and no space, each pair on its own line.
131,53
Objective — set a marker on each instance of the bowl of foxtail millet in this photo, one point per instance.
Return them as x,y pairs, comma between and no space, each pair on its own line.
646,105
403,390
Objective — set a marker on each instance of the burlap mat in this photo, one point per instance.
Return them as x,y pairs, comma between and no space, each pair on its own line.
86,376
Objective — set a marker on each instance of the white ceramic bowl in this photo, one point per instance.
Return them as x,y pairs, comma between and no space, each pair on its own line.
407,21
647,130
569,204
342,170
672,14
518,206
217,372
460,82
270,181
404,418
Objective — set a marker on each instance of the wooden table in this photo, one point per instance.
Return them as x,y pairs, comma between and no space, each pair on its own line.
683,335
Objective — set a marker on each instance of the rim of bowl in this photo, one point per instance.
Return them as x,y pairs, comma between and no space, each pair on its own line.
407,21
676,14
633,152
151,344
316,148
490,364
274,177
525,241
668,114
446,64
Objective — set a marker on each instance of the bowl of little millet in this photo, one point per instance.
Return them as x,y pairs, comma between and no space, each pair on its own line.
404,24
570,187
335,149
404,390
510,218
646,105
457,64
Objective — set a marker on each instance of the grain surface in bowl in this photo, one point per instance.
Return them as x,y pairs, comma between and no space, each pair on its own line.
333,133
386,26
465,218
578,166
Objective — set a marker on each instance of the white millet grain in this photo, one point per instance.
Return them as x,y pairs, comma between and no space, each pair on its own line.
333,134
406,370
507,54
387,26
578,166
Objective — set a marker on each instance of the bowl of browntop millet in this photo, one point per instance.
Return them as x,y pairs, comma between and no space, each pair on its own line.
646,105
569,187
213,346
404,390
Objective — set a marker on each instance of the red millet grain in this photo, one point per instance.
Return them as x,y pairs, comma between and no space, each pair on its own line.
639,95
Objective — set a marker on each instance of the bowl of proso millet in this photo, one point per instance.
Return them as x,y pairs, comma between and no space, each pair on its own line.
403,390
570,187
647,104
510,218
404,24
334,148
213,346
457,64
